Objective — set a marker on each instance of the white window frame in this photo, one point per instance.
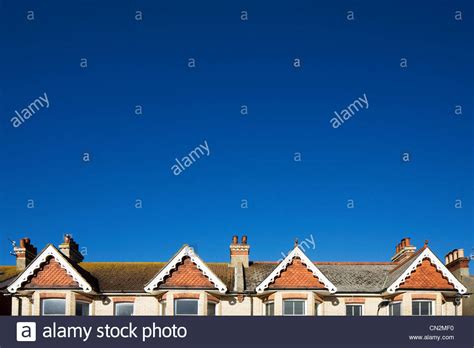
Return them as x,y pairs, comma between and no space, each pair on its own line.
294,300
354,305
215,308
432,308
186,299
266,308
390,311
43,300
122,303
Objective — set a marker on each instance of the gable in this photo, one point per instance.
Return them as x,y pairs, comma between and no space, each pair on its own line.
186,275
51,275
426,271
426,276
296,275
186,269
50,269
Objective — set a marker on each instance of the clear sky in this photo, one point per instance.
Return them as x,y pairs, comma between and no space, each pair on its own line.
251,157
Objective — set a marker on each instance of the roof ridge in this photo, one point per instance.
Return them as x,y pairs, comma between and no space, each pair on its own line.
414,255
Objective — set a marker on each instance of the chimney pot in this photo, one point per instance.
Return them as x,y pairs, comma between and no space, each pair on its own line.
239,252
403,250
457,263
450,257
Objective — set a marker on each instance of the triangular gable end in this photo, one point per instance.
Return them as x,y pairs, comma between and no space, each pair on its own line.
427,254
296,253
49,251
185,252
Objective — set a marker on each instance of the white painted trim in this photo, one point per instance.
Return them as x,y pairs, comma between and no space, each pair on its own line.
294,300
433,307
186,251
296,252
39,260
362,312
427,253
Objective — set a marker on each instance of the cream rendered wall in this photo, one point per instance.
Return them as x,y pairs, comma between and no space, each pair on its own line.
146,305
15,306
23,303
337,305
231,306
101,308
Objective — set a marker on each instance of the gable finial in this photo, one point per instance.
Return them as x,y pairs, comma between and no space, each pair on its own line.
426,243
296,242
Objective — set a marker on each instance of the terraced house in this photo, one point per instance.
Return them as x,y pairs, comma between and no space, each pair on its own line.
57,281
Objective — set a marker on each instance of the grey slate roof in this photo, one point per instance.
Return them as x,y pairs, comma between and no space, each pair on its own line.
355,277
347,277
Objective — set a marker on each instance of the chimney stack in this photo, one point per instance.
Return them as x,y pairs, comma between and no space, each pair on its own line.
403,250
239,252
25,253
71,249
457,263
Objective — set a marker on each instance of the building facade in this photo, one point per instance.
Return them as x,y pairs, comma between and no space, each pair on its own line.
57,281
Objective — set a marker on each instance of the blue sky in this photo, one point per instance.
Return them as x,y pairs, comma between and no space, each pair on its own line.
251,156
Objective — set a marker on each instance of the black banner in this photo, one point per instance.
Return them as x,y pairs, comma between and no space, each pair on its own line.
324,332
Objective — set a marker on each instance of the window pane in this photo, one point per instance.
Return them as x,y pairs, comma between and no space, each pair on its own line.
53,306
293,307
357,310
124,309
425,308
395,309
415,308
186,307
354,310
288,307
421,308
299,307
211,309
82,308
270,309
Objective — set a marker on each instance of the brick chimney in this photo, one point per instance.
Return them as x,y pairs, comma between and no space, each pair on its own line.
25,253
403,251
239,252
457,263
71,249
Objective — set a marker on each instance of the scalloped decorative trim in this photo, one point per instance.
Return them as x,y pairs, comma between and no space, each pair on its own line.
296,252
186,251
50,251
428,254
